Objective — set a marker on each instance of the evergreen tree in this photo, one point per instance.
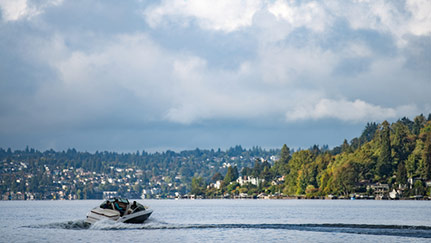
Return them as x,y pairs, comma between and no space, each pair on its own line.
401,174
384,161
426,156
217,177
231,175
345,147
406,121
198,186
284,154
235,173
280,166
257,168
418,123
369,132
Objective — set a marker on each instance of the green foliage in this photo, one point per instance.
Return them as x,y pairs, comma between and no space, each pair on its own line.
368,133
345,147
418,124
44,171
385,153
198,186
426,155
384,162
301,171
231,175
217,177
281,166
401,174
418,188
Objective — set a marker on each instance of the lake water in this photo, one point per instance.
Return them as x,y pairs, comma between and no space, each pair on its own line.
223,220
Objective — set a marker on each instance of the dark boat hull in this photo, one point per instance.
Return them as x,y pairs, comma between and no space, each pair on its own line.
138,219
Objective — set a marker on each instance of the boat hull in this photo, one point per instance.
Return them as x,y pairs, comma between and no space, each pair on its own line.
106,214
136,218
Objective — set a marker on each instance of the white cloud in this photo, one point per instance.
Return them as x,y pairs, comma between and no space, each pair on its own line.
127,72
183,88
232,15
345,110
162,84
293,65
420,22
224,15
13,10
397,19
311,14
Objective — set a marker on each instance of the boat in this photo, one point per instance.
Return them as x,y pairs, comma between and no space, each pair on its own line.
120,210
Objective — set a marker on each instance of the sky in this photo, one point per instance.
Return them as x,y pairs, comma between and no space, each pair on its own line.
177,74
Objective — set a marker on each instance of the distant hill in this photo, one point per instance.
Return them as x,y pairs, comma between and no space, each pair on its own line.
71,174
383,158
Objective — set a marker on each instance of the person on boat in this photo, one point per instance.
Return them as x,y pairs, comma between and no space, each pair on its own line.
134,205
106,205
118,207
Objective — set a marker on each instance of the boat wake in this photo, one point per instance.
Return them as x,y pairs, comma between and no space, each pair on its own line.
153,224
73,225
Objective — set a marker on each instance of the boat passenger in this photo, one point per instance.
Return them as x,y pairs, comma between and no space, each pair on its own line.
106,205
134,205
118,208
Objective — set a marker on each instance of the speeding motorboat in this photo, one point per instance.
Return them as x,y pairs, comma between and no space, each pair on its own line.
120,210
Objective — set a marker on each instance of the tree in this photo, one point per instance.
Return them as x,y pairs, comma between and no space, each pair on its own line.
414,160
345,147
298,178
384,161
346,178
368,133
406,121
246,171
217,177
257,168
285,154
401,143
418,188
231,175
198,186
401,174
426,157
418,123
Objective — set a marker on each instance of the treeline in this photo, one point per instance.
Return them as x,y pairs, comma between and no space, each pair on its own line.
30,170
384,153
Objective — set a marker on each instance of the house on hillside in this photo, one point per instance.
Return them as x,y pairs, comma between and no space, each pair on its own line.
249,179
381,191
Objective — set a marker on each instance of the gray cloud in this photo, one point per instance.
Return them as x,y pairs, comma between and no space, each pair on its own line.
160,77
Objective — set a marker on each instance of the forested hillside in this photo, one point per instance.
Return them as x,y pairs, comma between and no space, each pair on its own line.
82,175
383,158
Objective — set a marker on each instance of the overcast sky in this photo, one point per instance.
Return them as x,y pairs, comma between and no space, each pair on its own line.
157,75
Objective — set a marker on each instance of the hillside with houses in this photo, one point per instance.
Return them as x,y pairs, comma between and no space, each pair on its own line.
387,161
31,174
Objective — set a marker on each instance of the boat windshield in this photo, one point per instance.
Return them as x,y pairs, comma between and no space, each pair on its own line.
108,202
121,200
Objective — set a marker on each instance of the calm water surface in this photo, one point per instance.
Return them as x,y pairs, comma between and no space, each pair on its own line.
223,220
